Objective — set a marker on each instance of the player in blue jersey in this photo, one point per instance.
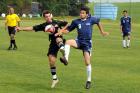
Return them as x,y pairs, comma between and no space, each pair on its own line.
84,39
125,27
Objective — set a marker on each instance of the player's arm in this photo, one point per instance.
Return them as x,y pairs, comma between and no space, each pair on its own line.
67,29
18,20
24,28
18,23
131,24
35,28
6,23
121,25
101,29
62,31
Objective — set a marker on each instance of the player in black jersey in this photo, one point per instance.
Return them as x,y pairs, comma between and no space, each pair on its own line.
56,42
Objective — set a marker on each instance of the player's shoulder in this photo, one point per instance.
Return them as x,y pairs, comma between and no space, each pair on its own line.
7,15
76,20
122,17
129,17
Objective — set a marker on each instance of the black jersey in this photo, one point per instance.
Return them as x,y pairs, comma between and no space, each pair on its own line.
56,23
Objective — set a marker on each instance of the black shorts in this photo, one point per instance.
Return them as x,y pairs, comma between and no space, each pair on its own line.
11,30
53,49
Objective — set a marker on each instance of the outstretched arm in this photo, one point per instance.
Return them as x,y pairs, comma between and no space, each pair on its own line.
24,28
101,29
62,31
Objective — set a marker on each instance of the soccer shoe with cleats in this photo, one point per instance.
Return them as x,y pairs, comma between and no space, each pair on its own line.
54,82
9,48
15,48
88,85
64,60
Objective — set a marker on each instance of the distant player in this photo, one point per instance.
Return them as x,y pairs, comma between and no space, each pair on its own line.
126,29
55,41
84,39
12,20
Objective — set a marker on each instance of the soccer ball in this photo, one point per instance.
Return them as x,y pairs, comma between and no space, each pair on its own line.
50,29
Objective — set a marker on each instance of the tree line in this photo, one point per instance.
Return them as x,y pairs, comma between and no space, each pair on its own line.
57,7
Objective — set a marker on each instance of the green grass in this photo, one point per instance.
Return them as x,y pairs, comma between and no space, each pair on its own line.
115,69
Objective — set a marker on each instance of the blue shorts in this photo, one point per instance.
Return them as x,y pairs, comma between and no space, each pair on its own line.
85,45
126,34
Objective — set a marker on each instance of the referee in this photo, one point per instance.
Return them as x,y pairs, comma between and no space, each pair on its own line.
12,20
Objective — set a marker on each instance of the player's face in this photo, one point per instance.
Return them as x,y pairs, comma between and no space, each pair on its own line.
83,14
11,11
48,17
125,13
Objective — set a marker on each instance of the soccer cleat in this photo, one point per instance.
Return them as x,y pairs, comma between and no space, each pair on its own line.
64,60
9,48
15,48
128,46
54,82
88,85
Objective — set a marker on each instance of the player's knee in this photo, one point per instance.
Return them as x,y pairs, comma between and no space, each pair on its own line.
58,40
68,42
12,36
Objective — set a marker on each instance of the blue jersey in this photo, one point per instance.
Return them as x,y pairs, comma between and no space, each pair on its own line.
126,24
84,27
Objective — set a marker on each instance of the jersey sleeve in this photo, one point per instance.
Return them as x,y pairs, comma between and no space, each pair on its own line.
95,20
40,27
17,18
62,23
72,26
121,21
130,20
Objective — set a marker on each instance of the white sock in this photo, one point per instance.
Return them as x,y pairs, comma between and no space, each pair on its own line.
124,43
54,76
89,72
67,51
128,43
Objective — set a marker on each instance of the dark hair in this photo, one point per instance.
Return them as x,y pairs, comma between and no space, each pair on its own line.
124,11
85,8
46,12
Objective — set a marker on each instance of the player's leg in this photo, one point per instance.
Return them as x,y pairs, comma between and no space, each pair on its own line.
52,60
9,32
128,40
124,40
87,60
13,41
12,36
68,44
52,55
60,43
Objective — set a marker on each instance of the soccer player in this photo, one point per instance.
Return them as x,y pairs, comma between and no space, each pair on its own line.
84,39
125,27
12,20
55,41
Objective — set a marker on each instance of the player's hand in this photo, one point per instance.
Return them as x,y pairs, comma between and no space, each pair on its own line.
17,29
59,33
105,33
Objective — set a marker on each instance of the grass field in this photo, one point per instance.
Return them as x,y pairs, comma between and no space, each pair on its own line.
115,69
